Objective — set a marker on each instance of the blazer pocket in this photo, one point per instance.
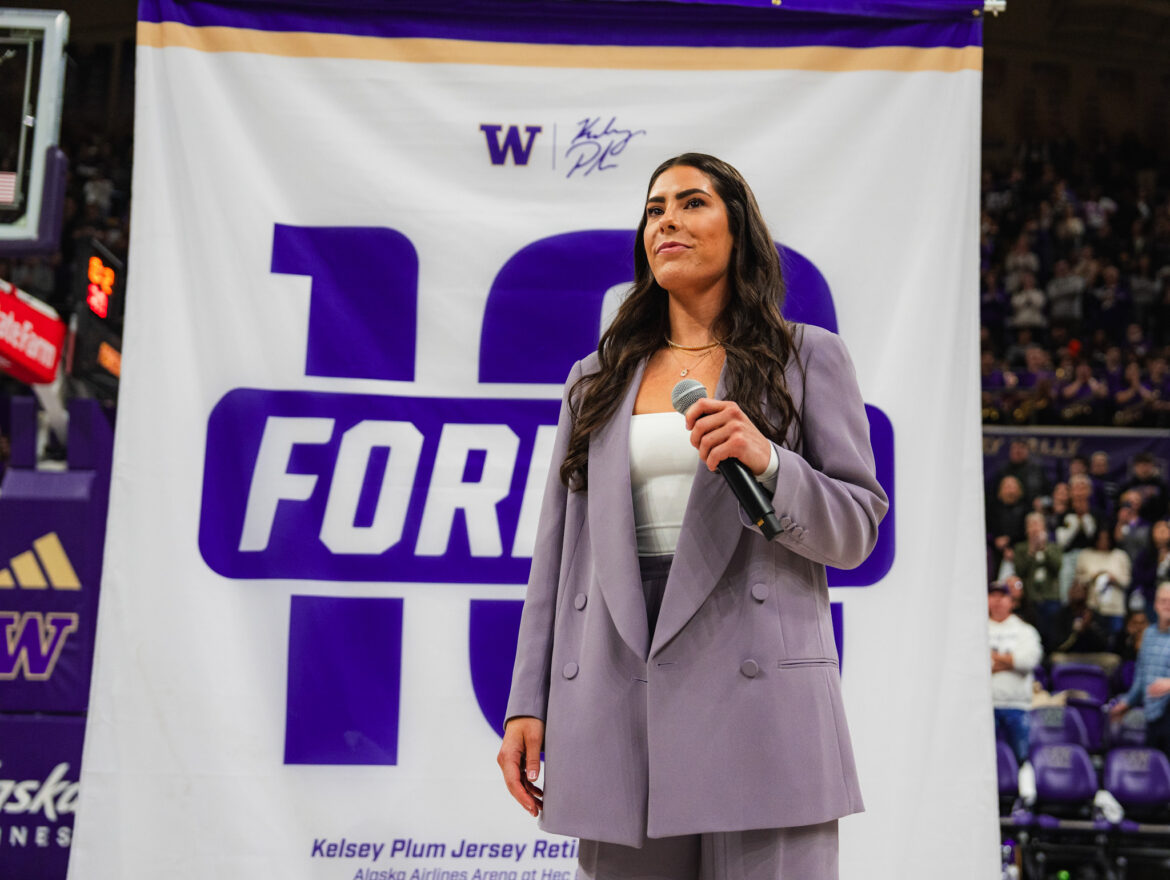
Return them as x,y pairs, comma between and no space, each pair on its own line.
808,661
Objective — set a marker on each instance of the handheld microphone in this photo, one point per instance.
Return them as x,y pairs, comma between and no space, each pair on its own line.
753,498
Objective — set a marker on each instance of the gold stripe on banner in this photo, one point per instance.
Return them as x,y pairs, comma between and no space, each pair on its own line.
6,581
56,563
28,573
829,59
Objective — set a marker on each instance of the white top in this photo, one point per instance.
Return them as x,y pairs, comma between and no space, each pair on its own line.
662,470
1012,688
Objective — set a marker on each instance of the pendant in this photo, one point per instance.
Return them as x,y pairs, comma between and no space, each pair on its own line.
684,372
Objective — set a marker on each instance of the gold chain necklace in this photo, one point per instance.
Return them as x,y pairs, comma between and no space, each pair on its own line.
706,349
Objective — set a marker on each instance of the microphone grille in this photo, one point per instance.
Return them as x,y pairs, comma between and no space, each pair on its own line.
685,394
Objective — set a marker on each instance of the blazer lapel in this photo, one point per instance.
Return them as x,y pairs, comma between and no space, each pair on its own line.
611,523
710,532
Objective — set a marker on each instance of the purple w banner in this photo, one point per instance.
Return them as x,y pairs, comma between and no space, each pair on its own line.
32,643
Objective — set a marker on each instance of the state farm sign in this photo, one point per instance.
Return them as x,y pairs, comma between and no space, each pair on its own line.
31,336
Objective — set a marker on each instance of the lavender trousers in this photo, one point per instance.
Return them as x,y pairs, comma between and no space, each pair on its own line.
806,852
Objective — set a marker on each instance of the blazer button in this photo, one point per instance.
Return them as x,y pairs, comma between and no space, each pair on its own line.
579,601
760,592
570,670
750,668
785,522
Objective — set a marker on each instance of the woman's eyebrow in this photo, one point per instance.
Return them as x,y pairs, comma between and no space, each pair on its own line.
682,194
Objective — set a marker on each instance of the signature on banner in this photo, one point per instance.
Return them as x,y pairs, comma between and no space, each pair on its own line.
597,143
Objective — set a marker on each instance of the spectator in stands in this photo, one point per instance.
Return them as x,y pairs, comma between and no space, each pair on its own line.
1020,606
1159,380
1005,516
1028,304
1065,292
988,229
1151,680
99,191
1147,482
1020,464
1143,288
1037,562
1105,488
1070,229
1057,508
1087,265
1136,345
1078,632
1036,382
994,305
1064,349
1079,529
1019,262
1015,652
1106,571
1014,355
1082,397
1037,367
1113,369
1098,209
1152,564
1131,533
1134,400
1160,541
1129,640
993,380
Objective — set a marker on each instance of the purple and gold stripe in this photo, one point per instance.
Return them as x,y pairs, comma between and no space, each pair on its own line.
305,44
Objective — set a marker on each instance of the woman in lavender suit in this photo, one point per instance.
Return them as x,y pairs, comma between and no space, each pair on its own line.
677,668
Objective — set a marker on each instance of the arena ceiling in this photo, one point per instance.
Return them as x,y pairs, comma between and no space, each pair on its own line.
1103,31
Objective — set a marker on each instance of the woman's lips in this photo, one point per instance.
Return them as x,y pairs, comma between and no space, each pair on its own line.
671,247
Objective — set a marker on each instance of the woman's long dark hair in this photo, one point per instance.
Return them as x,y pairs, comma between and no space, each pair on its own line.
758,342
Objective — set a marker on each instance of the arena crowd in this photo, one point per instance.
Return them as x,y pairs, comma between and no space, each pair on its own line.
1075,288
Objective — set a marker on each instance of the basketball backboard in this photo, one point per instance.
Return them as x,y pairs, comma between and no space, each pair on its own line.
32,167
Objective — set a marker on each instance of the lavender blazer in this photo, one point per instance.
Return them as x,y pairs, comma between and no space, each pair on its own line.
731,717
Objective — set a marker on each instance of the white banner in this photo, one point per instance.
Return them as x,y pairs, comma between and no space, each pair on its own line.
364,257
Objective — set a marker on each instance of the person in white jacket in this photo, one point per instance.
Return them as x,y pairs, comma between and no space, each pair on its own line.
1015,652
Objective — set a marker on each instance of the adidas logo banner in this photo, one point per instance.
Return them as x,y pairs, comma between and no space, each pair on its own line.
48,601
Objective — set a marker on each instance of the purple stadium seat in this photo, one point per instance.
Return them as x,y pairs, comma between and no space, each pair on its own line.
1063,832
1123,677
1081,677
1093,716
1130,730
1140,780
1008,775
1065,778
1041,676
1057,725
